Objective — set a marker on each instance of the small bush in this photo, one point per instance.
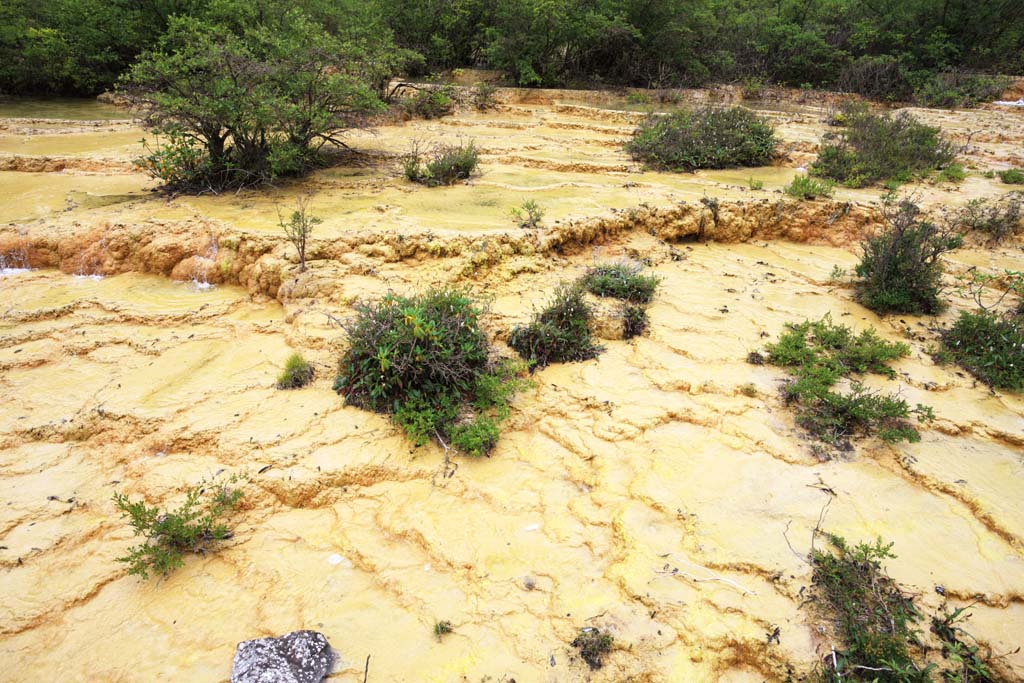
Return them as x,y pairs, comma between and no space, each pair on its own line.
998,218
559,333
432,103
528,215
621,281
442,628
755,184
900,271
877,147
1012,176
880,78
443,165
195,527
638,98
484,96
704,138
753,87
819,354
634,320
954,173
425,360
959,89
805,187
593,645
990,347
299,228
297,373
871,615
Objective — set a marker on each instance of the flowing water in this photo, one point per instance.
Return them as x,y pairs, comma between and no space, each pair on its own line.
660,491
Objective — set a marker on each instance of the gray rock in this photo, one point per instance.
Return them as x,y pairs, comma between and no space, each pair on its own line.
296,657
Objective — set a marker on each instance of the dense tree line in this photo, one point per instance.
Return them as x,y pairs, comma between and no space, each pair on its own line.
875,46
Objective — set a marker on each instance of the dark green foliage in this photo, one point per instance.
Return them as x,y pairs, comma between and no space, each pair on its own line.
297,373
1012,176
560,333
990,346
900,271
483,96
634,320
953,173
806,187
425,360
430,103
195,527
873,618
238,101
443,165
621,281
593,645
959,89
877,147
704,138
998,218
442,628
819,354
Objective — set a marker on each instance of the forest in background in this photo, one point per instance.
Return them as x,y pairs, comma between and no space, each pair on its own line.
886,49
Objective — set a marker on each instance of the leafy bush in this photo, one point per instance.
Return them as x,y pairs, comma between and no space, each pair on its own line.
484,95
755,184
192,528
1012,176
703,138
953,173
998,218
430,103
620,281
299,228
900,271
559,333
877,147
593,645
443,165
528,215
990,346
425,360
959,89
806,187
873,618
819,354
297,373
442,628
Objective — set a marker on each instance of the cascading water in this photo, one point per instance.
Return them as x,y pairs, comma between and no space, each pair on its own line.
14,261
90,264
205,262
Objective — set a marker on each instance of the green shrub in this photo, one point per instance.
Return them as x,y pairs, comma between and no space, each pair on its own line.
431,103
484,96
620,281
297,373
443,165
959,89
528,215
195,527
753,87
998,218
593,645
559,333
755,184
954,173
877,147
819,354
425,360
703,138
638,98
806,187
634,320
873,618
900,271
990,347
442,628
1012,176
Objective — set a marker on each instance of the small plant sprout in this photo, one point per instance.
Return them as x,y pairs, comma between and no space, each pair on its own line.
299,228
593,645
194,527
529,214
441,629
755,184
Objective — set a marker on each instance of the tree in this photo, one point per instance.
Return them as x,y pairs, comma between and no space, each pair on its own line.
299,228
244,105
